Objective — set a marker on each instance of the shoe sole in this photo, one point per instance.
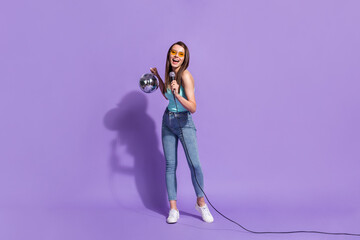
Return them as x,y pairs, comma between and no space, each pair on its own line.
171,222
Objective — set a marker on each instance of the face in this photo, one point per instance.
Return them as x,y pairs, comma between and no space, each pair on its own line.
177,55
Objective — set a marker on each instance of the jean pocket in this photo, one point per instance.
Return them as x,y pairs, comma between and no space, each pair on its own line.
190,122
184,121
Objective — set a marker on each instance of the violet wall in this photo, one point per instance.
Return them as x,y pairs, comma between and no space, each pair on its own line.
277,90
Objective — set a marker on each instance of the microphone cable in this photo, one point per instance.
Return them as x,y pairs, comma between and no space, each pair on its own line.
251,231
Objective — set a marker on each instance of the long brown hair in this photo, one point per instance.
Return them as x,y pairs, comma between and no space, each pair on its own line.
183,66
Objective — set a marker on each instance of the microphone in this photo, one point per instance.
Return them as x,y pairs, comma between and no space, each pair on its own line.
172,77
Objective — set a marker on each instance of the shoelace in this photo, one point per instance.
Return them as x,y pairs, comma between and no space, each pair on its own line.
205,211
173,213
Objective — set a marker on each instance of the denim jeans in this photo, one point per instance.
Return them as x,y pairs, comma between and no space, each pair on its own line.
170,134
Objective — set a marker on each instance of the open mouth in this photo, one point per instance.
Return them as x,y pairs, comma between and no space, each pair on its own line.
175,61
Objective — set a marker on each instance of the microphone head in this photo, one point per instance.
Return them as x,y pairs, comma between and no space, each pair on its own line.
172,75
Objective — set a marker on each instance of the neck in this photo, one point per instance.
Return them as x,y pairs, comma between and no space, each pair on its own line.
176,69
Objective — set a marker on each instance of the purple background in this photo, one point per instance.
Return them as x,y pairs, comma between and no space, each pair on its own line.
277,90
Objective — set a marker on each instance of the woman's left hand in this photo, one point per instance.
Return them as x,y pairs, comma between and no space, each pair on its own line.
175,87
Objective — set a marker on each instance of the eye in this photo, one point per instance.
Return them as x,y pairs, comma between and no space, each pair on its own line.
173,52
181,54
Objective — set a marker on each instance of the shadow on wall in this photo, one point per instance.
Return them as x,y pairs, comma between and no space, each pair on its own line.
136,131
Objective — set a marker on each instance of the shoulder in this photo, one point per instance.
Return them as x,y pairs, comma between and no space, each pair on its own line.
187,74
187,78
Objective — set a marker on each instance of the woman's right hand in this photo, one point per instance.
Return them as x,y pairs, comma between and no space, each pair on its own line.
154,71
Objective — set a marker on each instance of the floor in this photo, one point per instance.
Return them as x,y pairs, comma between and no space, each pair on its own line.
115,221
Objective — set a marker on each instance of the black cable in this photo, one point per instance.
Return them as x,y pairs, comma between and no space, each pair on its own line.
256,232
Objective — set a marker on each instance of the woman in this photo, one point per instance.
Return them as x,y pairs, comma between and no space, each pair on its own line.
178,115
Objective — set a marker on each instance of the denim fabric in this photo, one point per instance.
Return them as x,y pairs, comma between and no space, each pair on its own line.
170,135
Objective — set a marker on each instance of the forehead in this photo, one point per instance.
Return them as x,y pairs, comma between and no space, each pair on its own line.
178,48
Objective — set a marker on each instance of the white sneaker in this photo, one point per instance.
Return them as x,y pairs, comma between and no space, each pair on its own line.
205,213
174,215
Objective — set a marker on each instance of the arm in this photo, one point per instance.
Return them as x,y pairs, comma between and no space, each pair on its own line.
188,82
161,83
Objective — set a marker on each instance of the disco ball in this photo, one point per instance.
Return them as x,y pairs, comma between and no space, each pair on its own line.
148,83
